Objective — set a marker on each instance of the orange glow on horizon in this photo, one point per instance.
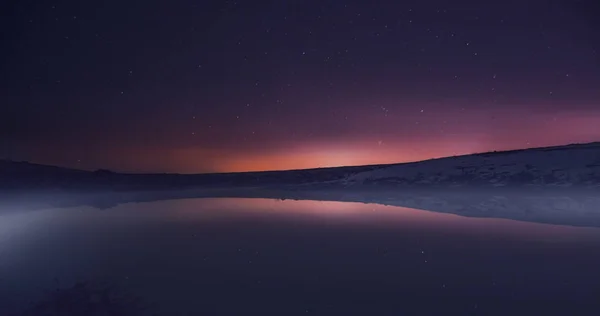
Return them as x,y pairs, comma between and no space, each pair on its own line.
326,156
382,148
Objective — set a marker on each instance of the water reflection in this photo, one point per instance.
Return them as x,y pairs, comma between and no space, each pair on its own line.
560,206
272,257
371,215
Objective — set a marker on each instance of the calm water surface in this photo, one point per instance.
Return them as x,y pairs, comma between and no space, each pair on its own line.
270,257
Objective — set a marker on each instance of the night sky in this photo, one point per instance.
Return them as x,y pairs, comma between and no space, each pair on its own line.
202,86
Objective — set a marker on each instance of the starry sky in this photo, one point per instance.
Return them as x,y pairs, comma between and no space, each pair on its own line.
210,86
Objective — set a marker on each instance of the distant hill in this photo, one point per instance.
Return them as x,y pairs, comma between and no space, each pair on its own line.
559,166
22,168
25,175
22,174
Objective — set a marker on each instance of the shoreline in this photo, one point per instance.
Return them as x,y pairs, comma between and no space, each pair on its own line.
550,205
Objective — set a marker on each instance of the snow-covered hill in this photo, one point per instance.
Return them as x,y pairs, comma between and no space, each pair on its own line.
570,166
563,166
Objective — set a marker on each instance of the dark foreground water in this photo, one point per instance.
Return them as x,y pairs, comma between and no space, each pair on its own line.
270,257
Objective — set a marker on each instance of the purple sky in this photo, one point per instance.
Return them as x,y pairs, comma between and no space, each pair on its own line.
196,86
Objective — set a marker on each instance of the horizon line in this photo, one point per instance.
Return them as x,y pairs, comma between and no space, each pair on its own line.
308,169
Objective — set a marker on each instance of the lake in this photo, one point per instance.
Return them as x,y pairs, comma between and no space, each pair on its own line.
271,257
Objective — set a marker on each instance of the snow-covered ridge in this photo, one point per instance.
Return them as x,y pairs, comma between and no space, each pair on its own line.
571,165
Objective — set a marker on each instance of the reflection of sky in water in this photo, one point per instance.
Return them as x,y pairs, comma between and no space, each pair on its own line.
328,213
208,244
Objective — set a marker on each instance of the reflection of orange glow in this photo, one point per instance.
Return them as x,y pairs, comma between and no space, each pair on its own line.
324,208
374,216
395,217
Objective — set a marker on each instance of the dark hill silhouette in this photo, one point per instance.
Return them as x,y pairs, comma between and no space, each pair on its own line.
25,175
